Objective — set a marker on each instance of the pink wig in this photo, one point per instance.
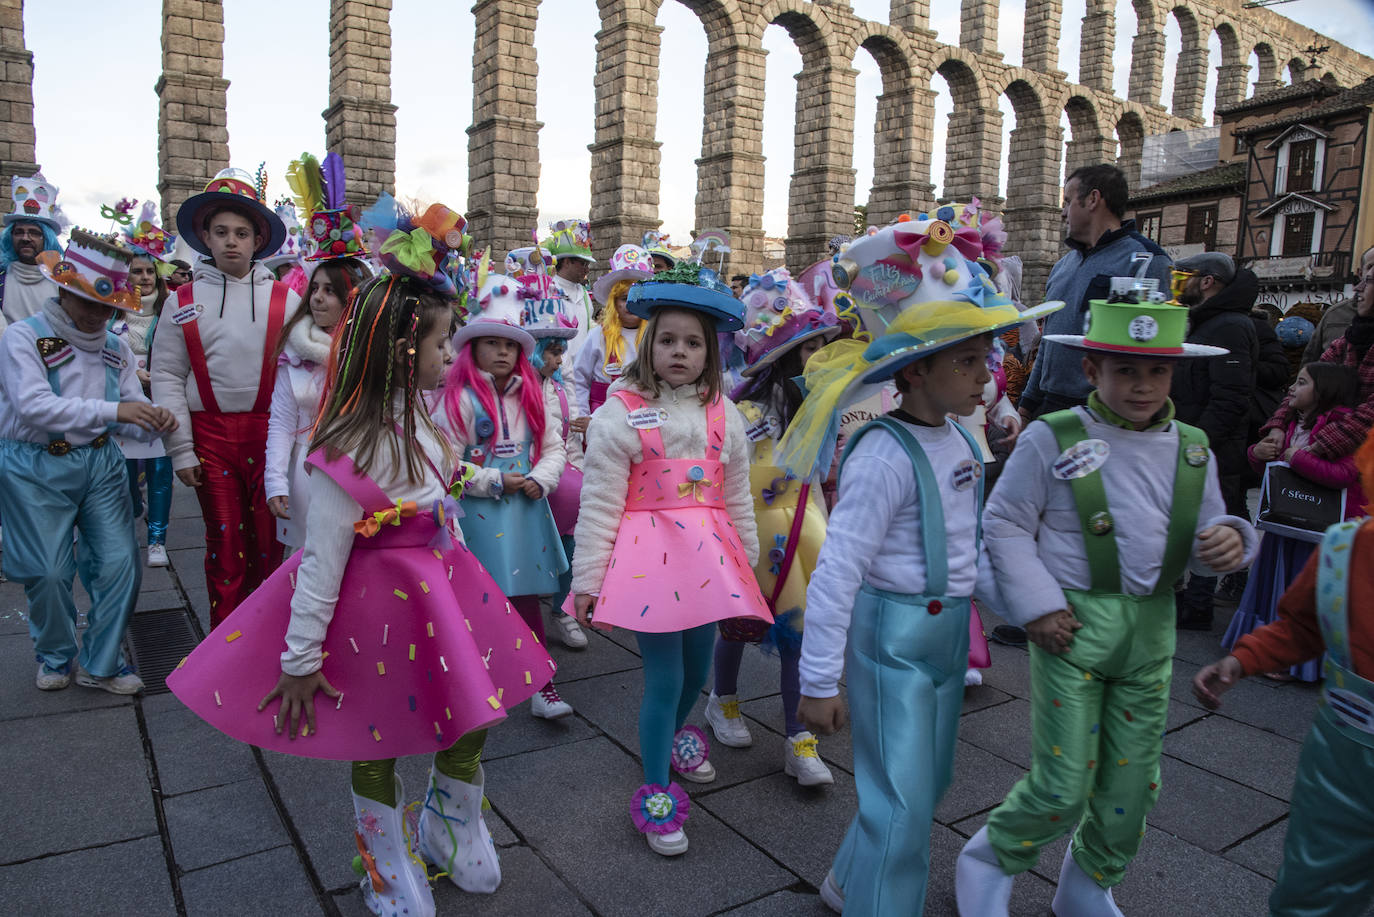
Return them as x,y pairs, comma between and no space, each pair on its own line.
464,374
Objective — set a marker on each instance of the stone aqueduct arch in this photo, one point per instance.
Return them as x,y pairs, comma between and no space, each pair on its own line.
360,120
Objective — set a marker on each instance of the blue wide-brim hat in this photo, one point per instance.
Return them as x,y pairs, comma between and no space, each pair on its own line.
235,189
688,286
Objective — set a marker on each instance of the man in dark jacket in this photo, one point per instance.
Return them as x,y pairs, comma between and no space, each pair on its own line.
1216,394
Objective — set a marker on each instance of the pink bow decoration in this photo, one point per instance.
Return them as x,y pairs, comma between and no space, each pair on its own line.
968,241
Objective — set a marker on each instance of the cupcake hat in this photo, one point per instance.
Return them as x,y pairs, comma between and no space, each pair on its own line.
496,308
630,262
918,287
35,198
779,316
236,188
94,268
544,311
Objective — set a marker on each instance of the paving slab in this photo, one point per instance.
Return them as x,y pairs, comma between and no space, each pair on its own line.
981,781
74,780
1208,811
159,600
271,882
600,657
601,855
123,878
189,753
800,827
1171,876
1262,852
1250,756
1285,709
1031,895
1003,730
222,823
522,731
783,904
19,699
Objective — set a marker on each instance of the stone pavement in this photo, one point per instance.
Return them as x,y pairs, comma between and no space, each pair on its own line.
133,806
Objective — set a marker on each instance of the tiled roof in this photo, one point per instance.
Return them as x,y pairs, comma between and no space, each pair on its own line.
1230,176
1353,99
1280,94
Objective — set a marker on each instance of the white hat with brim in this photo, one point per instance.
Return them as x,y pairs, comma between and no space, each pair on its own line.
601,290
493,328
1081,342
829,332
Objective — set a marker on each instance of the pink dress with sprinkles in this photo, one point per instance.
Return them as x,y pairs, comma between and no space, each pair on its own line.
423,644
677,562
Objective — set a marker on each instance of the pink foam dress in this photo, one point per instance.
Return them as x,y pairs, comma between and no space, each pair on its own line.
677,562
423,644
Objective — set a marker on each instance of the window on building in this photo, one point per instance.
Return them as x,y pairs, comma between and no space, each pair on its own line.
1148,224
1297,234
1302,165
1202,227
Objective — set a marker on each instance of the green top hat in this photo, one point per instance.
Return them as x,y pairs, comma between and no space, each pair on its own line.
1138,329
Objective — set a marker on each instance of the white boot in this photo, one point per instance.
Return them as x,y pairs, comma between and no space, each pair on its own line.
1078,895
981,888
454,836
393,882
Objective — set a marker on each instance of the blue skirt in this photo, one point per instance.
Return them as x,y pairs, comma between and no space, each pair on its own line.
1279,563
515,537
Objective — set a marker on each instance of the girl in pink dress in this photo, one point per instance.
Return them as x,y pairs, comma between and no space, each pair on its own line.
386,612
666,542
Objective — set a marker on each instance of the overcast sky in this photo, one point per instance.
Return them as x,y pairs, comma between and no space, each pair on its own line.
96,110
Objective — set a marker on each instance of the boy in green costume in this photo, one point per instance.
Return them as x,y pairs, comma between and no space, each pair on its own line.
1099,511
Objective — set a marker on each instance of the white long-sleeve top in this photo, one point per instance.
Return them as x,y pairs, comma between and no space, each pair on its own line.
874,537
329,541
613,446
1033,531
591,361
234,338
295,403
29,410
552,456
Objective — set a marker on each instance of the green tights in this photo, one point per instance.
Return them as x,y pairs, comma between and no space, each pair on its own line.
375,779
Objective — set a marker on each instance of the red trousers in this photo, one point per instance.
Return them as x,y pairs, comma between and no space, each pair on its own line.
241,547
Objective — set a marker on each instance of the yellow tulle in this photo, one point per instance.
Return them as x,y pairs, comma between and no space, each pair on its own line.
832,375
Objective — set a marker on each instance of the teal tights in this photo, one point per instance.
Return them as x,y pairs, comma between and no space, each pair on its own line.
675,669
375,779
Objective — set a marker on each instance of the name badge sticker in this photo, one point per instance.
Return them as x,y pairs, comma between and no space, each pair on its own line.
614,370
765,428
1081,459
646,418
112,359
187,314
967,473
506,448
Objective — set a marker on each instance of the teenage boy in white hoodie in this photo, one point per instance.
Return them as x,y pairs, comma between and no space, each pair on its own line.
212,367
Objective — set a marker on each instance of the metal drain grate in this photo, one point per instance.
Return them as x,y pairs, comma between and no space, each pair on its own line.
158,641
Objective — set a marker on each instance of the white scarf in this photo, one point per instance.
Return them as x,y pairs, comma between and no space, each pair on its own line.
26,289
61,322
309,342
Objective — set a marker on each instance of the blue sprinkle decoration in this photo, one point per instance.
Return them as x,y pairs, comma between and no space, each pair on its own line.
679,524
645,611
412,703
1120,811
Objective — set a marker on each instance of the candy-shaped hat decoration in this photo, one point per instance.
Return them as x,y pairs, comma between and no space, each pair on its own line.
778,316
570,239
147,237
330,223
417,246
237,189
688,285
528,260
35,198
630,262
496,308
94,268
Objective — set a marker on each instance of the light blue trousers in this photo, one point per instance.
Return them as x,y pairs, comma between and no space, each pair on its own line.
42,499
904,669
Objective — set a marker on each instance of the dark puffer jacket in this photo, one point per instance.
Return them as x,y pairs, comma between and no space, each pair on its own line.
1214,393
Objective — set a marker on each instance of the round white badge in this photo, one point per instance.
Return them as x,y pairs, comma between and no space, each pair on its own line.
646,418
1143,328
967,473
1081,459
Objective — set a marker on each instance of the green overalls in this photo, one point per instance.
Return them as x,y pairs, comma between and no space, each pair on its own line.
1328,854
1098,711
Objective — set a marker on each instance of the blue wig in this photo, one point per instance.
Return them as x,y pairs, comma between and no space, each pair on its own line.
7,254
537,354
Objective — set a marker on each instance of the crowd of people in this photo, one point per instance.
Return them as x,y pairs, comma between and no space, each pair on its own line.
415,466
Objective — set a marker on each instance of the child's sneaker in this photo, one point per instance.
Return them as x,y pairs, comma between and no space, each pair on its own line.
547,705
157,555
726,722
52,679
689,755
801,760
569,631
125,681
831,894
